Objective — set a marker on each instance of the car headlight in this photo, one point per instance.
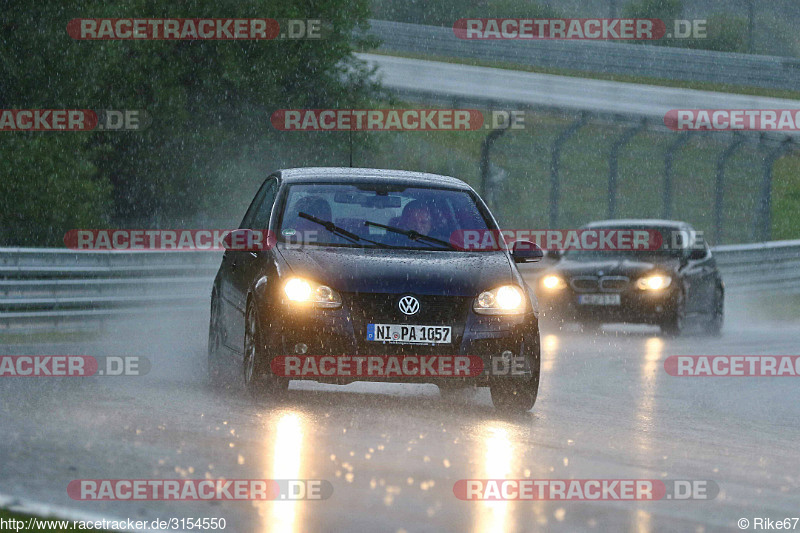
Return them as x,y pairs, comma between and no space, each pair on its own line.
505,300
305,292
553,283
654,282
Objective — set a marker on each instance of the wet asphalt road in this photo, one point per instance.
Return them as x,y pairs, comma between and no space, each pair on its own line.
606,409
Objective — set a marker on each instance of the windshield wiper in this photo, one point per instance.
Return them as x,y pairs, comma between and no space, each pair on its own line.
336,230
411,234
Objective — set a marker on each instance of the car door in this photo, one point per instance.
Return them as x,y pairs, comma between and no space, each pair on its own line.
698,275
707,282
241,265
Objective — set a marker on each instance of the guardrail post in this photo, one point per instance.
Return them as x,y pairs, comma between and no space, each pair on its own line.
613,171
555,160
668,158
762,230
719,184
486,147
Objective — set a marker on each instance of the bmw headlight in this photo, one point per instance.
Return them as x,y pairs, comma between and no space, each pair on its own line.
505,300
305,292
553,283
653,282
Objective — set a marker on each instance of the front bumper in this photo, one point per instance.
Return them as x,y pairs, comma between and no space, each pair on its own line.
342,332
636,306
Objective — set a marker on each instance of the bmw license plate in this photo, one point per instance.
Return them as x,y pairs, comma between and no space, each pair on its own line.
408,334
598,299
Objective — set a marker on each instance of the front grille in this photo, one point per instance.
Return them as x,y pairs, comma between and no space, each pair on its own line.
377,308
614,283
604,284
433,310
584,283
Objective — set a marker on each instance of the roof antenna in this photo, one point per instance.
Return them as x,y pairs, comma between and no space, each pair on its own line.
350,137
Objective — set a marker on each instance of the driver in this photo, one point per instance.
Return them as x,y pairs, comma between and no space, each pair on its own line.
417,216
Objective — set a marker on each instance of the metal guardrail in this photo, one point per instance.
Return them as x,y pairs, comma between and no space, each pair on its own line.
770,267
595,56
49,289
45,289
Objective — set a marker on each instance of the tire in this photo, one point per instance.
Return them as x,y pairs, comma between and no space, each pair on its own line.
676,323
717,316
517,395
216,371
258,379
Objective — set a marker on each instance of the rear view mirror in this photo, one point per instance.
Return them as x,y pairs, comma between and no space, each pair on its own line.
697,253
526,252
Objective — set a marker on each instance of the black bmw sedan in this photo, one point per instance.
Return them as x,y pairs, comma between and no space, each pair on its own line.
358,280
672,285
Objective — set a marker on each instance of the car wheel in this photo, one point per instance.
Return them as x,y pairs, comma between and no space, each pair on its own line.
717,316
216,371
675,324
258,380
517,395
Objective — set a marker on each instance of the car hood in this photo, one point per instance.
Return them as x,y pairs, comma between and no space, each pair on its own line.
399,271
615,267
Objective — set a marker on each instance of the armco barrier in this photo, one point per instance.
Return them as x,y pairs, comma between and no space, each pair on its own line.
56,289
595,56
50,289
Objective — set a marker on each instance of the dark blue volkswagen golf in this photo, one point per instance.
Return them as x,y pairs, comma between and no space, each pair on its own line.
363,263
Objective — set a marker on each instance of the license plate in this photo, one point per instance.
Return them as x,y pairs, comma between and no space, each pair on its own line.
598,299
408,334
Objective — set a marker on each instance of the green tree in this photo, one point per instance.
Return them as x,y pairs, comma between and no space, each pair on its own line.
207,99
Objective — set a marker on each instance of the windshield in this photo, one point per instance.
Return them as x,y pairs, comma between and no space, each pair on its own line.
672,245
376,215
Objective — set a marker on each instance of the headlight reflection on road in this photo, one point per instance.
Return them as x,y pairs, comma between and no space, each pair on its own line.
287,448
648,381
497,464
549,349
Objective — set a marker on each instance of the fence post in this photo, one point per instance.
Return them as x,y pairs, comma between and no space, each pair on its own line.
762,230
613,172
719,184
486,147
668,158
555,160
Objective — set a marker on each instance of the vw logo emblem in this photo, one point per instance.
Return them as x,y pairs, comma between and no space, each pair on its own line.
408,305
600,273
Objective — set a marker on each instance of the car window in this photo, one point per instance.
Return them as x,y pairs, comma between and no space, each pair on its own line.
434,212
261,218
672,245
261,206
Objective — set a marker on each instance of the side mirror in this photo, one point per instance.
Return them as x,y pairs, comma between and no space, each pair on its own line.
555,254
697,254
245,239
526,252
